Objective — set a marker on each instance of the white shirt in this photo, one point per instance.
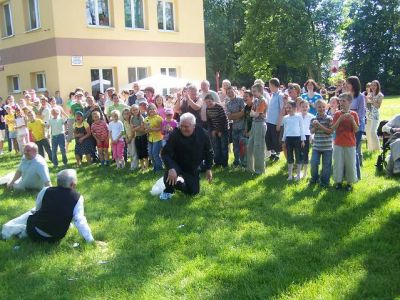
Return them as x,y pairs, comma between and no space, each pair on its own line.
306,119
115,129
293,127
78,218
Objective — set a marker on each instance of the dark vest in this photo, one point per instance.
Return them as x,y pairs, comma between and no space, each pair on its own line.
56,211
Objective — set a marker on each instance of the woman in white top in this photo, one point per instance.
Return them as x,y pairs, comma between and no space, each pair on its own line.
374,102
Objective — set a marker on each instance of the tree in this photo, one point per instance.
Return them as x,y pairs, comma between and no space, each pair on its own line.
371,42
290,38
224,26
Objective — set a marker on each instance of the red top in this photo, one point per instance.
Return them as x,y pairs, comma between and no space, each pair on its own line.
101,130
345,135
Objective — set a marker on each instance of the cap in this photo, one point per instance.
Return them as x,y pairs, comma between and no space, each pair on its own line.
140,95
79,93
169,111
144,101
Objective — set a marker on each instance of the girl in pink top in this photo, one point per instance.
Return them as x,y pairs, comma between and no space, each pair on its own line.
159,101
168,125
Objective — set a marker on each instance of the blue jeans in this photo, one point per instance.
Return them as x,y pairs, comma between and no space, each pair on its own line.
326,166
58,141
358,153
154,153
220,147
237,134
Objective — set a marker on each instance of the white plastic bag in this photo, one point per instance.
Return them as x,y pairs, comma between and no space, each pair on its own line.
158,187
7,178
16,226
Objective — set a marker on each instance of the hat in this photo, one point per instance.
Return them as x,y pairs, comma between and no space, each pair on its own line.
140,95
110,89
79,113
169,111
36,99
79,93
144,101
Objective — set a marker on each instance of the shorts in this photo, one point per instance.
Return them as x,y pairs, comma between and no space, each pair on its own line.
12,135
103,144
2,135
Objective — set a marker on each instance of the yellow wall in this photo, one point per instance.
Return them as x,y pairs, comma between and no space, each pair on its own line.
19,18
24,71
188,20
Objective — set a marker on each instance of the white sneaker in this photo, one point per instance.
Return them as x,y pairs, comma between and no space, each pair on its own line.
290,178
165,196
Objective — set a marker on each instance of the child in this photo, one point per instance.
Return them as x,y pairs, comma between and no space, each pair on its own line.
321,127
306,119
116,132
2,126
21,129
168,125
10,122
137,122
345,122
293,137
83,144
57,130
130,138
159,101
333,106
99,131
153,128
37,132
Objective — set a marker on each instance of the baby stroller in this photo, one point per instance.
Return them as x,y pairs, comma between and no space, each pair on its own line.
381,162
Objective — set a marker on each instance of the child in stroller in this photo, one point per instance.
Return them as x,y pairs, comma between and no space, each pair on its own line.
391,140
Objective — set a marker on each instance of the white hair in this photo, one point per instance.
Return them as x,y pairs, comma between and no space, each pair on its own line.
206,82
66,177
188,117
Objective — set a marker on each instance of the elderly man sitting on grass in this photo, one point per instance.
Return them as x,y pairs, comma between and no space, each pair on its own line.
32,173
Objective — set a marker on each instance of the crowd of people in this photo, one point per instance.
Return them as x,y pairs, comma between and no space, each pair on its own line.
260,122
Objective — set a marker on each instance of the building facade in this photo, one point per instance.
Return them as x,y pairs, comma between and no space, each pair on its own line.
58,45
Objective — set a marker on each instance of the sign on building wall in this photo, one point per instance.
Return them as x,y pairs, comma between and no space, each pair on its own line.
77,60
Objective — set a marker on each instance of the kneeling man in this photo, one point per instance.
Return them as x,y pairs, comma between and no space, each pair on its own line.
185,150
56,207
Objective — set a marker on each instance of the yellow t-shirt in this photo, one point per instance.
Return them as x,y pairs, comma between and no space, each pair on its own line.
10,121
154,122
37,129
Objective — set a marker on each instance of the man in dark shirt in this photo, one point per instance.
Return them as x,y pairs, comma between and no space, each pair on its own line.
185,150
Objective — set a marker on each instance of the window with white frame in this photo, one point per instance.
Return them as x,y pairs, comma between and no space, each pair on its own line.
169,72
7,24
135,74
98,12
14,86
33,14
165,15
101,80
40,81
134,14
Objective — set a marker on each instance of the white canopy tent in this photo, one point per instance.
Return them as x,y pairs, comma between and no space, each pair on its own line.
160,82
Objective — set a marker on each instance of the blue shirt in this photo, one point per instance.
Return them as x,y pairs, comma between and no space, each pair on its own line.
358,105
312,101
274,108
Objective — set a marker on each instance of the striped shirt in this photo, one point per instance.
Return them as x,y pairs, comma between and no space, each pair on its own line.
322,140
101,130
216,118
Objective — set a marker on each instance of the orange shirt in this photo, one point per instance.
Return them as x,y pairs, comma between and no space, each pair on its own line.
345,135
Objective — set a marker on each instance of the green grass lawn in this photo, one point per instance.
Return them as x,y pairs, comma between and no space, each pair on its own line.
242,237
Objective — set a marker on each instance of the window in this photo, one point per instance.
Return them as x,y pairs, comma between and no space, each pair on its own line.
169,72
135,74
101,79
14,86
33,9
134,14
8,26
97,12
165,15
40,81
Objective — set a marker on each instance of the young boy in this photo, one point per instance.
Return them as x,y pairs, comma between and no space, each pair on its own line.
99,130
321,127
346,124
37,130
57,136
10,122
